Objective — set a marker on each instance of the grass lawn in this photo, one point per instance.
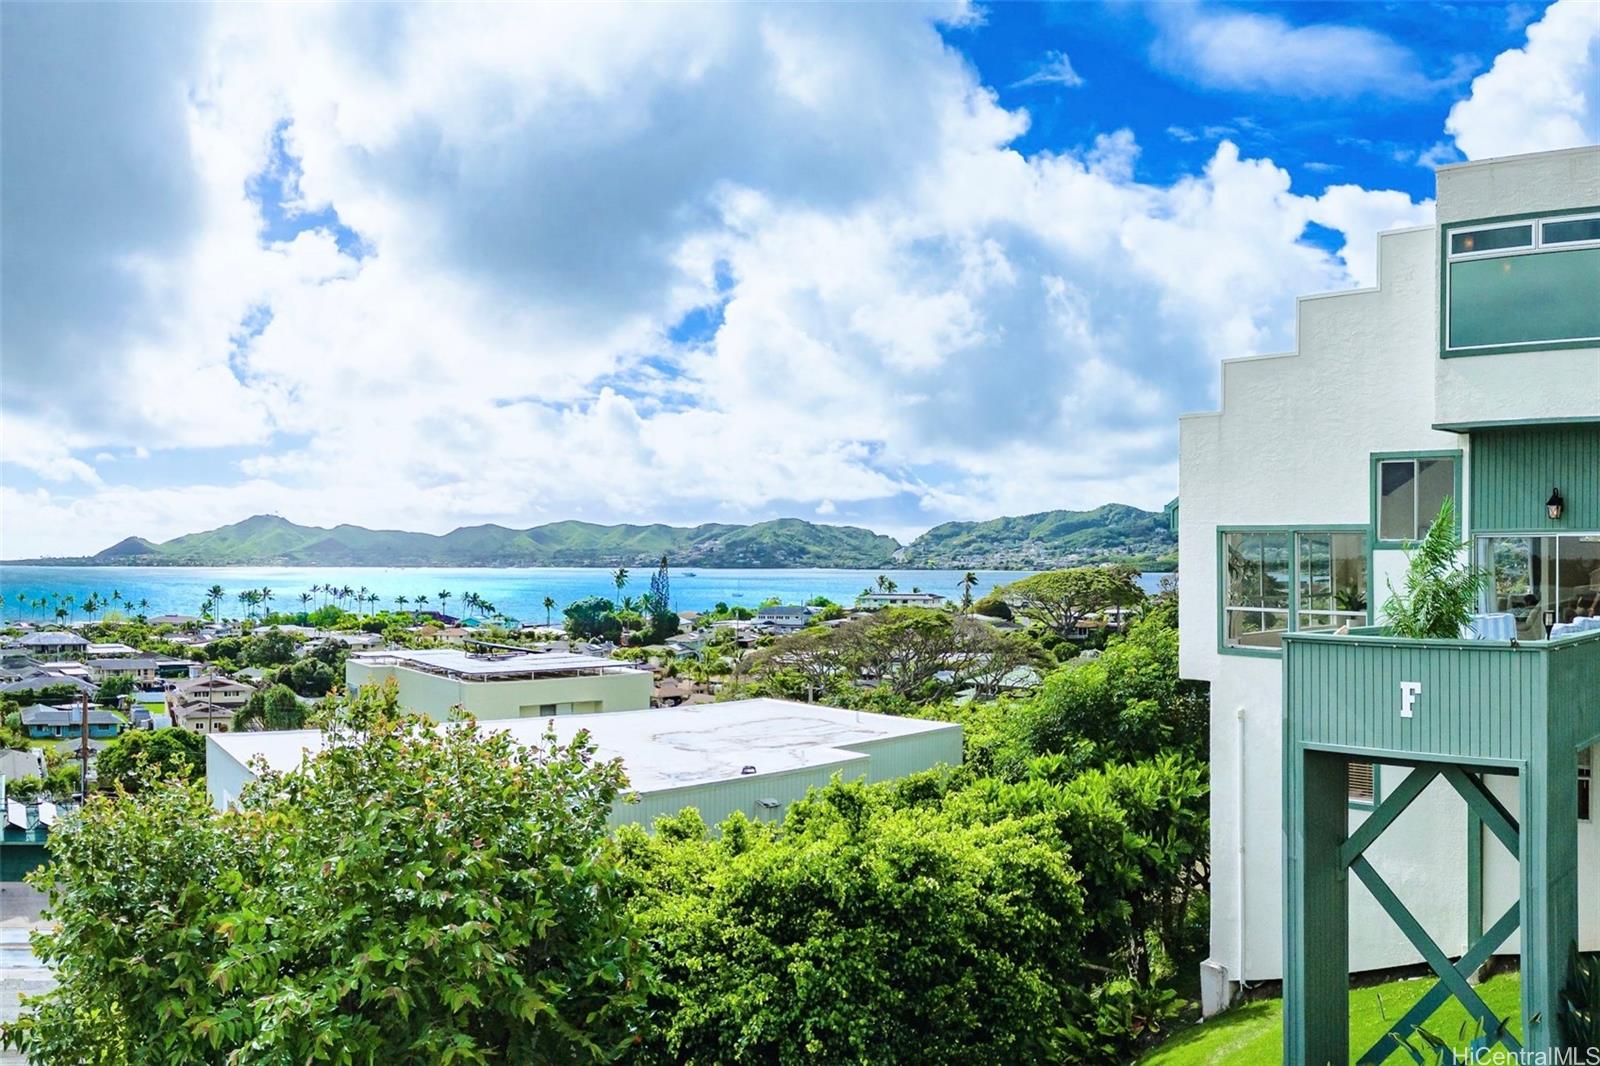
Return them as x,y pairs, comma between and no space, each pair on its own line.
1253,1033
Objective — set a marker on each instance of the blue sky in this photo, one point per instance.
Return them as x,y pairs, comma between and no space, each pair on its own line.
1374,136
888,265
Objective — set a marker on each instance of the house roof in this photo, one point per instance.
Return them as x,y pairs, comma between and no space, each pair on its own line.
53,638
666,748
39,714
122,664
36,679
200,684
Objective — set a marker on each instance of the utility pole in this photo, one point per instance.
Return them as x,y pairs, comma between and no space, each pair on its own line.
83,748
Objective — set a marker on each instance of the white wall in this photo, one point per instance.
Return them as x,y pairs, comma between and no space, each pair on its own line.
1291,445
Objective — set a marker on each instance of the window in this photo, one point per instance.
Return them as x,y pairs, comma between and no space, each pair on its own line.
1478,241
1362,777
1409,492
1257,603
1280,581
1585,782
1570,231
1523,285
1332,588
1542,581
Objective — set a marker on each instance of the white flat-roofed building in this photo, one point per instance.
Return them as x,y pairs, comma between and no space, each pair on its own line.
899,599
111,651
756,756
502,683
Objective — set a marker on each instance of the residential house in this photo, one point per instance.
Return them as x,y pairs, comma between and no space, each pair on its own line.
110,651
1469,375
25,837
785,617
899,599
54,643
493,681
54,723
752,756
142,670
207,704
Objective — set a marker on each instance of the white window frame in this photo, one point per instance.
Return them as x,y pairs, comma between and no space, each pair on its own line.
1537,246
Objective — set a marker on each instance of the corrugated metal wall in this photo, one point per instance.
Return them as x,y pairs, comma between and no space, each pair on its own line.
1513,471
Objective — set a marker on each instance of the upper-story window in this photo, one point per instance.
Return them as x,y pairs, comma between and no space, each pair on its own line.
1408,491
1522,284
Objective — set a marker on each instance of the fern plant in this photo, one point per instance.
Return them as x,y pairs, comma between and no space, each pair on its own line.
1441,592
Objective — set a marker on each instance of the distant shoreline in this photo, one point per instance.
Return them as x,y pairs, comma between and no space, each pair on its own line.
1144,566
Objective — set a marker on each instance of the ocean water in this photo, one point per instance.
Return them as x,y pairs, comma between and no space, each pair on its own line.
518,592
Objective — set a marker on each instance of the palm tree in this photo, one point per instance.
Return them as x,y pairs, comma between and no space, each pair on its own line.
619,578
345,593
969,581
361,597
144,607
265,598
422,599
22,601
61,613
69,600
216,592
401,601
305,598
549,605
471,601
444,598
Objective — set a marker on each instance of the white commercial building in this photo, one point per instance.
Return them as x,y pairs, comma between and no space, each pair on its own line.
755,756
502,683
1471,372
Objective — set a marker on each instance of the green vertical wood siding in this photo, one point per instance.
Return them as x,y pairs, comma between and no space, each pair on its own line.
1513,471
1483,706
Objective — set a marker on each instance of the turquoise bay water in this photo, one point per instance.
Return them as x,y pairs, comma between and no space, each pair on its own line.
518,592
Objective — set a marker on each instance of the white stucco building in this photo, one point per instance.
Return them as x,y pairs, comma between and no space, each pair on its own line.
1470,372
500,683
753,756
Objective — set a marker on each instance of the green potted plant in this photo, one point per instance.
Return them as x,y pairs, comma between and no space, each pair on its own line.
1441,591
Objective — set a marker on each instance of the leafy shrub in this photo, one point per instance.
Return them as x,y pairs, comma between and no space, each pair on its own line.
1441,592
413,895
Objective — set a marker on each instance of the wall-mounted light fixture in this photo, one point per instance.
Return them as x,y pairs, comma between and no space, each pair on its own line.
1554,505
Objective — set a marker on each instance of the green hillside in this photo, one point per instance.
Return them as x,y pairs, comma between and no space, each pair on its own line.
1113,531
267,540
1029,542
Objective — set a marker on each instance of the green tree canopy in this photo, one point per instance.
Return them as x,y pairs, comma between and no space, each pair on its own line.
275,707
593,617
113,688
1060,599
139,755
410,895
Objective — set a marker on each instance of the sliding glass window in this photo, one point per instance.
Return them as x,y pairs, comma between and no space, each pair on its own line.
1542,581
1282,581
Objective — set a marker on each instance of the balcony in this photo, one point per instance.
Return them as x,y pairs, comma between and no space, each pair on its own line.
1455,710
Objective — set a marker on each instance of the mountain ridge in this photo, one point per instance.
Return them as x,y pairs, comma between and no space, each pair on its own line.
1112,532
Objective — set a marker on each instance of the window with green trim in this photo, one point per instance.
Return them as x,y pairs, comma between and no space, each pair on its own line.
1522,284
1410,492
1332,588
1256,607
1282,581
